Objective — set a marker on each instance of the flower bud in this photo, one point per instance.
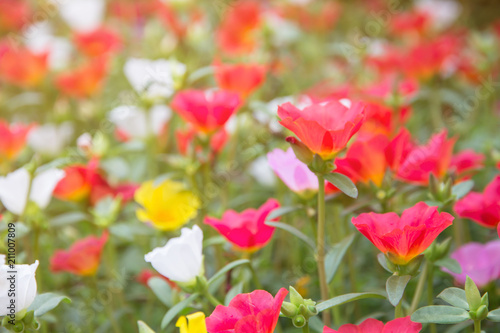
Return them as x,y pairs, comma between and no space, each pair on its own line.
289,309
299,321
301,151
295,297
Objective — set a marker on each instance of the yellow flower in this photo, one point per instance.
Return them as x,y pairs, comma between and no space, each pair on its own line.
196,323
168,205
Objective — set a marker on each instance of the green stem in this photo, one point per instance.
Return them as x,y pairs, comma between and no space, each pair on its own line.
305,329
212,299
430,291
398,311
435,106
320,247
477,326
420,289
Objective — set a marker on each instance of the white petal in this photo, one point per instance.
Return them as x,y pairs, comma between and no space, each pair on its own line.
131,120
26,287
14,190
82,15
43,186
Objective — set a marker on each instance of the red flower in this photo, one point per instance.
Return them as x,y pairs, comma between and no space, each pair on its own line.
146,274
484,208
365,160
98,42
208,111
240,78
256,312
403,238
21,67
14,14
370,325
237,32
246,230
466,161
12,139
82,258
84,81
325,128
185,140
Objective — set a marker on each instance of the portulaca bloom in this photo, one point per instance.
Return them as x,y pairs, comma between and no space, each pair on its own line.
181,259
261,172
295,174
50,139
82,15
14,188
139,124
154,78
442,12
25,286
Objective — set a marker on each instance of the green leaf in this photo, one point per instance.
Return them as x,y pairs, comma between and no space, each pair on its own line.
440,314
294,231
174,311
382,260
395,287
143,328
161,289
227,268
343,183
494,315
43,303
235,290
69,218
461,189
335,255
282,211
472,294
455,296
339,300
216,240
450,264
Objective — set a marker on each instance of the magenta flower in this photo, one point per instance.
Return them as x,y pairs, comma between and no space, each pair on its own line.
481,262
370,325
295,174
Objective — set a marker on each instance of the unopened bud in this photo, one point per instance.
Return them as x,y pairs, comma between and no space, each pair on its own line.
301,151
299,321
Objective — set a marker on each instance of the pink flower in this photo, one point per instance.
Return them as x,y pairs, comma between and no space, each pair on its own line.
403,238
246,230
256,312
483,208
370,325
295,174
481,262
208,111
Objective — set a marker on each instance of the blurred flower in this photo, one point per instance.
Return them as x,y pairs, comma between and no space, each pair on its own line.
480,262
465,161
181,259
146,274
325,128
82,15
135,123
312,15
25,286
240,78
196,323
84,81
260,170
237,33
365,160
246,230
375,326
207,110
295,174
19,66
14,14
82,258
15,187
403,238
442,13
186,138
97,42
50,139
167,205
154,78
483,208
257,311
12,139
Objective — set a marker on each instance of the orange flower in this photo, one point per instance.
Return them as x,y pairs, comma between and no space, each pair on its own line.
14,14
76,184
82,258
19,66
240,78
84,81
236,34
98,42
12,139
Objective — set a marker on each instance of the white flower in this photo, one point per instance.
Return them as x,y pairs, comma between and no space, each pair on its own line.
14,188
82,15
25,286
181,259
136,123
154,78
262,172
442,12
50,139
